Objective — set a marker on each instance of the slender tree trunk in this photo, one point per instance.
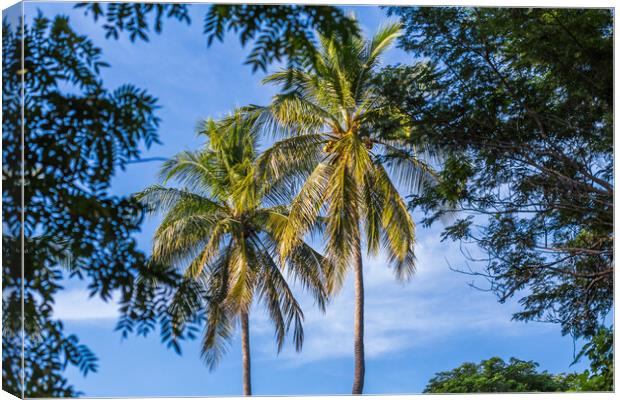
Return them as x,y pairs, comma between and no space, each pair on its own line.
358,325
245,351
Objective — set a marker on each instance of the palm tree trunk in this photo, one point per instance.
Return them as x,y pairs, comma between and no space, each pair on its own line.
358,325
245,354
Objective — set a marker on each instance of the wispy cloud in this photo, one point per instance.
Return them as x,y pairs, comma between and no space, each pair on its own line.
435,305
76,305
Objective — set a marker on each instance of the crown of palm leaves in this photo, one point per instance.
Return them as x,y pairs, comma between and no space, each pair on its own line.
327,118
218,227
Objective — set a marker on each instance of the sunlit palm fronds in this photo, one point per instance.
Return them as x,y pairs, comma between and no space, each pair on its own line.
218,227
331,151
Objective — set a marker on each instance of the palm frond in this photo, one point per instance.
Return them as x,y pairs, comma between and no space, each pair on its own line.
306,207
210,251
221,323
161,199
381,41
186,307
310,268
291,114
343,216
398,226
358,156
283,308
220,316
412,172
186,227
373,202
242,267
195,170
285,165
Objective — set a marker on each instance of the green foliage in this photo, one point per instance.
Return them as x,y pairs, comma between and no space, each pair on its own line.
76,133
220,229
47,349
276,31
134,17
521,100
600,352
495,375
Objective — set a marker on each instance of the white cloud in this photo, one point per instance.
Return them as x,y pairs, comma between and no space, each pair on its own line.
76,305
436,304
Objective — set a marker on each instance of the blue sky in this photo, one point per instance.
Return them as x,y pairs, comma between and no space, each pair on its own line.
434,323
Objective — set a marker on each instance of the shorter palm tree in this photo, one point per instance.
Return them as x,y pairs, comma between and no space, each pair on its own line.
223,227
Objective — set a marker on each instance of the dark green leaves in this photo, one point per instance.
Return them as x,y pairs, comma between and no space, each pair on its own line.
277,31
495,375
521,100
600,352
274,31
135,18
76,134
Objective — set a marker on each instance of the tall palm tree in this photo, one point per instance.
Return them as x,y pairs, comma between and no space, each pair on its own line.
328,116
223,228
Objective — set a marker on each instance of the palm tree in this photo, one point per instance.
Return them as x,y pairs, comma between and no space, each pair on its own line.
223,229
328,117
